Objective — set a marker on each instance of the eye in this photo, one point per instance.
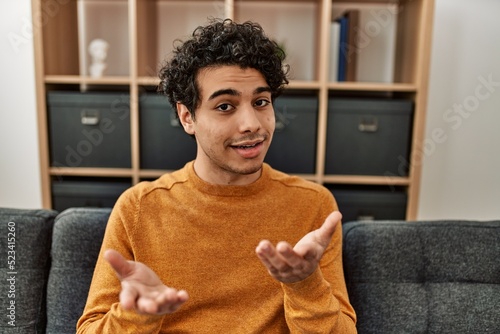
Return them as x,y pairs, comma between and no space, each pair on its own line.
224,107
262,103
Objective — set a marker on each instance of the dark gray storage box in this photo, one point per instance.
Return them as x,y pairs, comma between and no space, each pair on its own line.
89,129
163,142
370,203
100,194
293,149
368,137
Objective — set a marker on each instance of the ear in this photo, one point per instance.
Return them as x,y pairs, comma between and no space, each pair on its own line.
185,118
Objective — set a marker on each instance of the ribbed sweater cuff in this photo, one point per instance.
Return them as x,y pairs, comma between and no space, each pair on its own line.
312,285
146,322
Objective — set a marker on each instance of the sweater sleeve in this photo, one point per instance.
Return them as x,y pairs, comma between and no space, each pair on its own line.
103,313
320,303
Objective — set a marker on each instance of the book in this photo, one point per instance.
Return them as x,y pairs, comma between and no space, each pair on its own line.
348,45
334,51
343,48
352,44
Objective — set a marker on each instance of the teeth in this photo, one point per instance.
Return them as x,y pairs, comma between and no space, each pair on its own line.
247,146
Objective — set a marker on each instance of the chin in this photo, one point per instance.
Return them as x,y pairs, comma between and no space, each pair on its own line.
254,168
247,168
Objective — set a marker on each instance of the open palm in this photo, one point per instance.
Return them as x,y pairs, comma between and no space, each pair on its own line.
142,289
290,265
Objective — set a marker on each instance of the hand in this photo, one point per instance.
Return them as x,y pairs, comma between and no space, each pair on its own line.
142,289
290,265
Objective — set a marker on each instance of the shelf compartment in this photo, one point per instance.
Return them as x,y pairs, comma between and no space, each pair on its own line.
368,136
60,38
160,23
370,202
89,129
87,192
69,28
94,23
371,56
295,25
388,44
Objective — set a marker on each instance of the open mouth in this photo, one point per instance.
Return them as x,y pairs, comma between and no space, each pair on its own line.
248,146
250,150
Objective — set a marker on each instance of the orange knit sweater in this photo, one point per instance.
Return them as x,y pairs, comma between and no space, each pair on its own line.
201,238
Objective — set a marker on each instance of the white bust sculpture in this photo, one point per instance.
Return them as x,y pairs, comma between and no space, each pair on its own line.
98,49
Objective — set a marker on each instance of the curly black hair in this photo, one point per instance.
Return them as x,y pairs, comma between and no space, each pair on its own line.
221,42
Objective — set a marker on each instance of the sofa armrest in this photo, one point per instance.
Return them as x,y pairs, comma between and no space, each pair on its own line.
76,243
25,239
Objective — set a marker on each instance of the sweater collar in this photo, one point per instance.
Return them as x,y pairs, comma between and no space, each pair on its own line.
228,190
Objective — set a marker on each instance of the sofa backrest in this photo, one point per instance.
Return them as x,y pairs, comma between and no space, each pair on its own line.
424,277
25,238
76,243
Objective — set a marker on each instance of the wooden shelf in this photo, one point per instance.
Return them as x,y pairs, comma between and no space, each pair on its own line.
148,81
367,180
76,79
372,87
149,27
81,171
297,84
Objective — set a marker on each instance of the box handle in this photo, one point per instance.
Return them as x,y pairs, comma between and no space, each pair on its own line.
89,116
368,124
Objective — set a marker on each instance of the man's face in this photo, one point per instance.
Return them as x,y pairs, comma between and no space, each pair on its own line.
233,124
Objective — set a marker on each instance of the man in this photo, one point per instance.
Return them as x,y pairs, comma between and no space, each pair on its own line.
208,248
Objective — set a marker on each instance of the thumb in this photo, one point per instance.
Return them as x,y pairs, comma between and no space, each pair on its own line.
121,266
325,232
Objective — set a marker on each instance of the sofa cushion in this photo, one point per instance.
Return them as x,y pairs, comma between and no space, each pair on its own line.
76,243
424,277
25,238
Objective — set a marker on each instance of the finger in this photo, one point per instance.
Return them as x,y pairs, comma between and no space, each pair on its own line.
273,260
166,302
265,251
171,301
324,234
121,266
288,255
128,297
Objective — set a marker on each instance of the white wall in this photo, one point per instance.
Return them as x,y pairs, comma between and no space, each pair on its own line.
461,171
19,159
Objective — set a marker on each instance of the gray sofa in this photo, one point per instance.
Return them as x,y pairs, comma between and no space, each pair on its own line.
424,277
55,254
402,277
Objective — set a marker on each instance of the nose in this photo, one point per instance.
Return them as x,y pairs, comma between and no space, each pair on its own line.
249,120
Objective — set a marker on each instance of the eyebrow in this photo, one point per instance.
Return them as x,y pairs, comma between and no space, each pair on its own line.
233,92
